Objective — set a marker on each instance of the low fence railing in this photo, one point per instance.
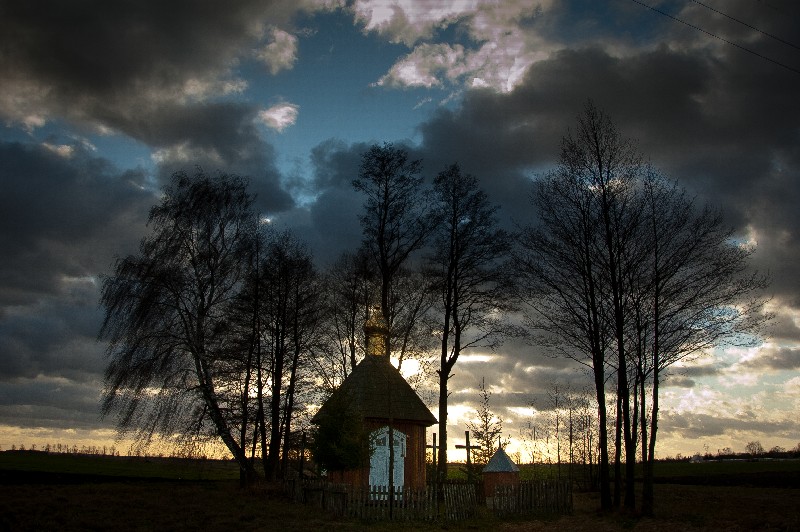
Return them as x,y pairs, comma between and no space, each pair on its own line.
374,502
460,500
535,496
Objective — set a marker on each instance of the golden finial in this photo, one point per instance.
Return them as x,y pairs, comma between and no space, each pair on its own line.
376,331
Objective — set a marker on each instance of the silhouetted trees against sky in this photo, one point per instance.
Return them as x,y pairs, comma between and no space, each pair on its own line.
627,275
223,327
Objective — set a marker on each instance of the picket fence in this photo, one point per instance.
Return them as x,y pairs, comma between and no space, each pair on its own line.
372,503
535,496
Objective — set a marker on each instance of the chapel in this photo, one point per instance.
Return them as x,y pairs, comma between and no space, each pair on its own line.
387,405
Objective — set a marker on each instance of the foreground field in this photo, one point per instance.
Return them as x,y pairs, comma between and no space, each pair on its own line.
84,500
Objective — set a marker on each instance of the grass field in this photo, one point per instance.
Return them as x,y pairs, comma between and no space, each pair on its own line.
118,466
67,492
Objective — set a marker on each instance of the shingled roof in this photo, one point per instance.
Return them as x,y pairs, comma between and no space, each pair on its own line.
500,463
378,391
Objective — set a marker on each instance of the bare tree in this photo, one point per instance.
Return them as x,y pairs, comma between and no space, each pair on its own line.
290,316
395,221
754,448
468,268
351,285
692,291
166,311
563,289
625,269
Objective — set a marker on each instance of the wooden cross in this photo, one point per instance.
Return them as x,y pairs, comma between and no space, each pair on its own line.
434,447
469,449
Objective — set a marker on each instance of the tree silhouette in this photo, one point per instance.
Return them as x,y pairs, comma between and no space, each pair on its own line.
627,275
166,311
468,270
395,221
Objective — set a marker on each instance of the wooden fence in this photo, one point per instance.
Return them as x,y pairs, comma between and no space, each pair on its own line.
460,500
373,503
536,496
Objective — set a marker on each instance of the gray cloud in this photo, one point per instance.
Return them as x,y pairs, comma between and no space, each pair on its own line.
63,217
104,60
717,127
216,137
52,403
693,426
782,358
146,70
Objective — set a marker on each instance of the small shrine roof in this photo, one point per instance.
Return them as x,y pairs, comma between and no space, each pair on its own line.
500,463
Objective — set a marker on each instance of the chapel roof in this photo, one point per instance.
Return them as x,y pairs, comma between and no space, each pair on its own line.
378,391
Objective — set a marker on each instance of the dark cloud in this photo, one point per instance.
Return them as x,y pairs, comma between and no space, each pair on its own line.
147,70
52,403
783,327
55,337
63,217
727,131
693,426
215,137
101,60
782,358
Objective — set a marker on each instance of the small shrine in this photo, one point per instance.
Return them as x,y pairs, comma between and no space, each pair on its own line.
391,411
499,471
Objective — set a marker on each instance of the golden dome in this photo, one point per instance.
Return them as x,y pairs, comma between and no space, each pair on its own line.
375,331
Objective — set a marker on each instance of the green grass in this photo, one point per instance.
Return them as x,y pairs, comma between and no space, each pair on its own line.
119,466
732,467
674,469
93,499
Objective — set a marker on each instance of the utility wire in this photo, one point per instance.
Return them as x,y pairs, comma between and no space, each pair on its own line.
746,24
726,41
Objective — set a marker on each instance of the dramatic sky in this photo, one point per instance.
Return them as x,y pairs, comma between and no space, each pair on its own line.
101,101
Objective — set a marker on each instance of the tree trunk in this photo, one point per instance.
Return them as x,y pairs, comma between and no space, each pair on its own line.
617,454
602,420
210,398
289,408
444,376
272,459
648,500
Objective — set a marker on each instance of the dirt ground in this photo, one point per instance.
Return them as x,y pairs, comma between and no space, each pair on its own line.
689,508
53,504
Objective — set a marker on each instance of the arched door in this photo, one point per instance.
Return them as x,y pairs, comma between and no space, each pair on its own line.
379,461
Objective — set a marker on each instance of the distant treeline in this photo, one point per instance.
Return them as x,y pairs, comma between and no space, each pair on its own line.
753,450
102,450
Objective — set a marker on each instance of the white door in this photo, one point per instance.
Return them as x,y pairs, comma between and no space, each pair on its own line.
379,462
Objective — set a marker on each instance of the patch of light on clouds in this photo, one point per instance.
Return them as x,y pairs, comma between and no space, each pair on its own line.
520,412
33,121
458,415
62,150
792,387
184,152
279,116
280,53
425,64
408,21
197,89
701,399
503,52
467,358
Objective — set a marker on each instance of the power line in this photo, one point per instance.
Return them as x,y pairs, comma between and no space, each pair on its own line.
726,41
746,24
